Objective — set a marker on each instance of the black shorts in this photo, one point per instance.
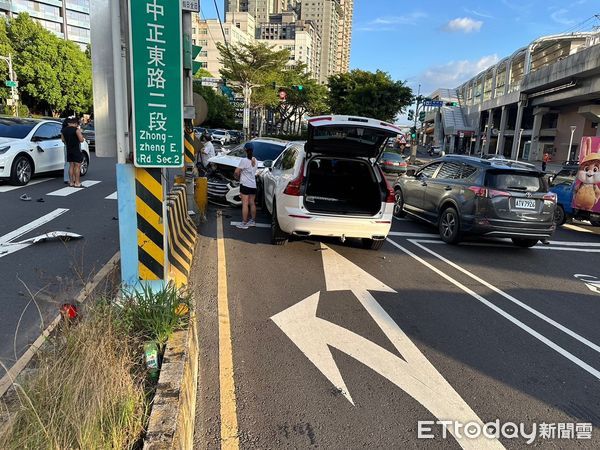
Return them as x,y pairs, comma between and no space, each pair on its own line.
75,157
244,190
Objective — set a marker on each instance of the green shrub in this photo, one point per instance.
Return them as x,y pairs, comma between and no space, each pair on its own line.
156,315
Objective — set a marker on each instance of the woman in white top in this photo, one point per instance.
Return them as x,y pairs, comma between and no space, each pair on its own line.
246,173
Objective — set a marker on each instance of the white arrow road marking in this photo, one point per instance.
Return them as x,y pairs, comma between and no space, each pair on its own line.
415,374
31,226
112,196
71,190
592,282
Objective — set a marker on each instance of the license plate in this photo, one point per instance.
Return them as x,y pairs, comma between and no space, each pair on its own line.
524,203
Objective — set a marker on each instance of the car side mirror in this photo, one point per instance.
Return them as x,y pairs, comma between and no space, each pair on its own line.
411,172
268,164
36,139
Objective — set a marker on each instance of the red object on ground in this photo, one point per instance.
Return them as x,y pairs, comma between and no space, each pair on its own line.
69,311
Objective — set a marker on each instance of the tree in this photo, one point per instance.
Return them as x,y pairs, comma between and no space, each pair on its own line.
249,66
368,94
5,50
203,73
221,113
54,75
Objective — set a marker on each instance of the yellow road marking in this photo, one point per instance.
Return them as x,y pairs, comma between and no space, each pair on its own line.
229,424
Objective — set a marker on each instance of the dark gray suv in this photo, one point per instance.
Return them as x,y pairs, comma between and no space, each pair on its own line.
466,195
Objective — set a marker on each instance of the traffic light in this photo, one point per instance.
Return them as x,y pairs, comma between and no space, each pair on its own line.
422,116
451,103
411,114
298,87
413,132
196,65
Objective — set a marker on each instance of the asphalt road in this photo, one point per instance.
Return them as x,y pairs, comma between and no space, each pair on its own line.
51,272
339,347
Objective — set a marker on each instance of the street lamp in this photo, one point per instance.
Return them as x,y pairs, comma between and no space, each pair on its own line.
573,128
13,84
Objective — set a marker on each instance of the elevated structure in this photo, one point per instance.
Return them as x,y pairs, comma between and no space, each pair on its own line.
526,104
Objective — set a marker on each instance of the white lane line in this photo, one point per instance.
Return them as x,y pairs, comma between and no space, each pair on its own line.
8,188
31,226
509,297
414,235
576,228
258,225
503,313
575,244
509,245
112,196
71,190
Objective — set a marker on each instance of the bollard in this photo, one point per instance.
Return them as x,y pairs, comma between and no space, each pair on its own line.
201,195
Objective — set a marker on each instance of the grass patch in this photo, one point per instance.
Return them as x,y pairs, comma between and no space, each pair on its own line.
90,389
87,391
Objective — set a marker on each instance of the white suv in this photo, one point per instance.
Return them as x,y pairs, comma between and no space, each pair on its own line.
331,185
221,136
30,146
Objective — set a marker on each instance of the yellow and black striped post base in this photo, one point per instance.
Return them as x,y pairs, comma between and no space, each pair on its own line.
182,236
189,155
150,224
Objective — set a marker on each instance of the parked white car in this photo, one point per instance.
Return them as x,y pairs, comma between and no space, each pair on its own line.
332,185
29,147
221,136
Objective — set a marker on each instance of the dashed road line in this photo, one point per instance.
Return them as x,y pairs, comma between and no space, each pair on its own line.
31,226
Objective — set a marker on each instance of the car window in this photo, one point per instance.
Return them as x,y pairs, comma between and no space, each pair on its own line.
562,179
47,131
429,170
467,171
392,157
288,159
450,171
13,129
515,181
56,130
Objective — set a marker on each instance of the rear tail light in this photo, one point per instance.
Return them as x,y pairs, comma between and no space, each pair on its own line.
293,188
390,197
403,164
550,197
488,193
319,119
388,163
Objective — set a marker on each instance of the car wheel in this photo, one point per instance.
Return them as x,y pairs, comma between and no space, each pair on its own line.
278,237
524,242
22,171
85,165
373,244
449,226
398,204
559,215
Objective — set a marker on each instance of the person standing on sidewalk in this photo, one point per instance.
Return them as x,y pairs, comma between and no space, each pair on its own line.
66,177
72,137
246,173
545,160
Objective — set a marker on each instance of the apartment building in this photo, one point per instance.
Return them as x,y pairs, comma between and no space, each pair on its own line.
238,28
68,19
260,9
345,35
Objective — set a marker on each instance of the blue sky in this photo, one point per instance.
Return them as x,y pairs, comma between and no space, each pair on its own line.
443,43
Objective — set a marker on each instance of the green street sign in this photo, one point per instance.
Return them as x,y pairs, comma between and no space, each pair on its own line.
196,49
11,84
157,83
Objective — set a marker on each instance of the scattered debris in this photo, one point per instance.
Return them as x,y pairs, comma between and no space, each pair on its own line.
25,198
40,200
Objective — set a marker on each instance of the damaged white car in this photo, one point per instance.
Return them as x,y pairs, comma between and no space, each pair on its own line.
222,186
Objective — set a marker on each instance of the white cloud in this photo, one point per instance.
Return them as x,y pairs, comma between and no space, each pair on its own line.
387,23
559,17
463,25
453,73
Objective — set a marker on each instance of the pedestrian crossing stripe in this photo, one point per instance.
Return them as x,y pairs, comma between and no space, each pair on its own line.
188,155
150,224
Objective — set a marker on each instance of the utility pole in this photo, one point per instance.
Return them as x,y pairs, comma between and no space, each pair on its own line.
12,83
413,151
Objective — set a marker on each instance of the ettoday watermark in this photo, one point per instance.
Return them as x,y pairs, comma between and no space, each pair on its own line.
509,430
